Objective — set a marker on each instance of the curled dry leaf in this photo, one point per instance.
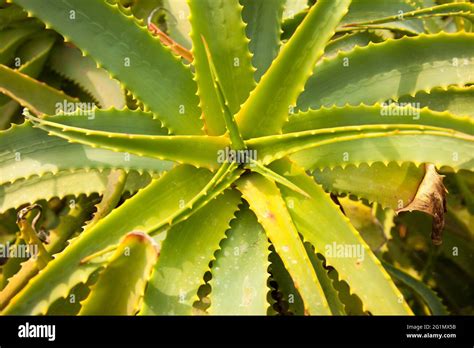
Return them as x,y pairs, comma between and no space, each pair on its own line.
431,199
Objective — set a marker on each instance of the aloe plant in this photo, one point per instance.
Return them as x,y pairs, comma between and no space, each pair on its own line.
221,134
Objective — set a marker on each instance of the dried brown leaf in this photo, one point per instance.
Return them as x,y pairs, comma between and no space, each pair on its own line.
431,199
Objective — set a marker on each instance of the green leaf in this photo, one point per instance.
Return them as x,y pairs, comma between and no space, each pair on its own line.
285,79
392,185
456,100
111,120
290,300
257,167
33,94
26,151
62,184
332,295
384,114
34,55
367,10
263,20
185,256
445,10
141,9
121,284
321,223
199,150
440,148
68,225
410,64
69,62
292,7
363,217
139,61
7,112
229,121
433,24
221,181
467,192
240,271
379,140
364,10
291,22
429,297
148,210
71,304
26,221
13,264
111,196
178,26
230,54
11,14
11,39
458,234
348,42
266,202
32,58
